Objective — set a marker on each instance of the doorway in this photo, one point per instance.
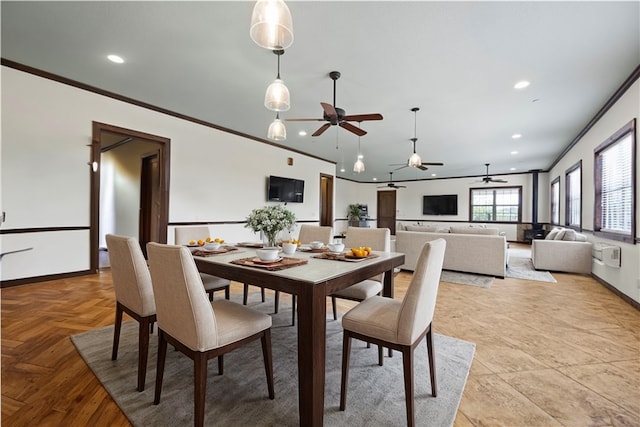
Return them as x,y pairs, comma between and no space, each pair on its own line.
129,187
387,210
326,200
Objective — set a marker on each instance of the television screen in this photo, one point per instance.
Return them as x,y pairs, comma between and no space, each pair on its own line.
281,189
446,204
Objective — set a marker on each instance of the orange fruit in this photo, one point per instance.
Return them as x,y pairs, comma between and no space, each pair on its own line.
208,239
192,242
200,243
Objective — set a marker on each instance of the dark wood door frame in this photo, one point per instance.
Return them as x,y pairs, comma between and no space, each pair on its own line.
97,147
326,199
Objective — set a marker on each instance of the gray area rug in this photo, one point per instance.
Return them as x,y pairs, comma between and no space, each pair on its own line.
522,268
466,279
239,397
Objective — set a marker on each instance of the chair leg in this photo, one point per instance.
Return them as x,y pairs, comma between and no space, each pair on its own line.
227,292
407,363
277,301
432,363
116,331
262,293
162,355
293,310
346,355
221,364
268,361
200,387
143,351
245,293
210,292
380,358
335,308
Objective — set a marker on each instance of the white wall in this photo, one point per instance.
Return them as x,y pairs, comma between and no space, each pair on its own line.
46,126
627,278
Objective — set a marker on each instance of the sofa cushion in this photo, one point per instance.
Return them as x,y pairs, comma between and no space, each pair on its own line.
475,230
428,228
566,234
553,233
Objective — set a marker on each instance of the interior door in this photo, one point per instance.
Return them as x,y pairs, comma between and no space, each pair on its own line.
387,210
326,200
149,217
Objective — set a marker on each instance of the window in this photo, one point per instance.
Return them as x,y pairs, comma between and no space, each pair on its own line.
503,204
555,201
614,176
573,189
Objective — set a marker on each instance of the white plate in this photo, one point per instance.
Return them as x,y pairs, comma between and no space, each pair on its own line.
259,261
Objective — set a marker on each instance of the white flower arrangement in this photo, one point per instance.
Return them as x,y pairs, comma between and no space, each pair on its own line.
270,220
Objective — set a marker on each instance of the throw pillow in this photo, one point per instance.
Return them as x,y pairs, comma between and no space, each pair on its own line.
569,235
560,235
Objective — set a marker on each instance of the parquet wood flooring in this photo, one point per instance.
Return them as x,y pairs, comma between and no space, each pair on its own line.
548,354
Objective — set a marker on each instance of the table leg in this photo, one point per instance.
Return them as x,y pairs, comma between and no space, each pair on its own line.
387,289
311,354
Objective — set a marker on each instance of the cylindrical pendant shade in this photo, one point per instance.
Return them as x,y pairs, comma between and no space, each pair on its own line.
277,96
277,131
271,25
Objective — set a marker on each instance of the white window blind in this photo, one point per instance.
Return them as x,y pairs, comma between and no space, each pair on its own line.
555,201
574,195
617,187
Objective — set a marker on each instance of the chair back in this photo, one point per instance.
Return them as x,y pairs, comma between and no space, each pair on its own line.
315,233
183,308
130,275
419,303
378,239
182,235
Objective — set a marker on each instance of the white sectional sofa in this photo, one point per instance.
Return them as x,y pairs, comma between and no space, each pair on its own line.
469,249
562,250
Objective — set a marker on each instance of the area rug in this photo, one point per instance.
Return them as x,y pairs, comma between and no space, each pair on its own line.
239,397
466,279
522,268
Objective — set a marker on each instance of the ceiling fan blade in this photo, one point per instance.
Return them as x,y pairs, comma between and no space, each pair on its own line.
432,164
422,167
499,180
362,117
351,128
321,130
329,110
401,167
304,120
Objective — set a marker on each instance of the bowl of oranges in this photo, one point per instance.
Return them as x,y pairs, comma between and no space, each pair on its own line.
360,252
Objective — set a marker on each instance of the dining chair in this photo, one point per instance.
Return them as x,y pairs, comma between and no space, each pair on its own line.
134,295
378,239
182,236
308,233
399,325
199,328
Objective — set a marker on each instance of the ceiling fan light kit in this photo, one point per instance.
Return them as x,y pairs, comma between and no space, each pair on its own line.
271,24
358,166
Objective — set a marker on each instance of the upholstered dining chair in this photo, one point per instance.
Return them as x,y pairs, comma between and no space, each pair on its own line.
199,328
399,325
378,239
182,236
308,233
134,295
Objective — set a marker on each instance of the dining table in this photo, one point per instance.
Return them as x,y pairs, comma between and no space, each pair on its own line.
311,281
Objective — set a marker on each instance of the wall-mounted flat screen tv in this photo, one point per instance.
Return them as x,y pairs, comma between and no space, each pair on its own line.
280,189
446,204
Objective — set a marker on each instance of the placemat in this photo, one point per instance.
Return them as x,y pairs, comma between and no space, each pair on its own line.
250,244
205,252
308,249
285,262
343,257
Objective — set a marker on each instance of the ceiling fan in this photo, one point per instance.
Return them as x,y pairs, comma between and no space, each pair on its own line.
487,179
390,184
337,116
415,160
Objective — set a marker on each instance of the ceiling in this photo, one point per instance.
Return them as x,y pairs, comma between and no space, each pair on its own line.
456,61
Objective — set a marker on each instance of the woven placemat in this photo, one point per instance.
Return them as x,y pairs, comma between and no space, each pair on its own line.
279,265
343,257
204,252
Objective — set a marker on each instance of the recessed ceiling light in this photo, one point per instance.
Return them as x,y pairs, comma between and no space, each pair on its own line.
516,136
514,152
375,179
512,169
302,133
115,58
433,174
521,84
341,169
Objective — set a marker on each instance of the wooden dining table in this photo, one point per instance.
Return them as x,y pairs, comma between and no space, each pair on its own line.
311,282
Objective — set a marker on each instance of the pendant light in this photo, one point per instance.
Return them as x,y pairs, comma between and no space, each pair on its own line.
271,25
277,131
358,166
415,159
277,96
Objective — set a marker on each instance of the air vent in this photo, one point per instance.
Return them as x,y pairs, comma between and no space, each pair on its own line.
607,254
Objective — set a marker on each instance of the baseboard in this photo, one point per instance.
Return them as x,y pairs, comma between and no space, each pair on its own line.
626,298
37,279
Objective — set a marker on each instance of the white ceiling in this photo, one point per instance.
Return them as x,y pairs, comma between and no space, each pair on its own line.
457,61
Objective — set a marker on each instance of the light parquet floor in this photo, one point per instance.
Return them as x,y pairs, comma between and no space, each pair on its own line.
548,354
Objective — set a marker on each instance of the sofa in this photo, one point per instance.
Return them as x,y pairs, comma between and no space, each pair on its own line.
469,249
562,250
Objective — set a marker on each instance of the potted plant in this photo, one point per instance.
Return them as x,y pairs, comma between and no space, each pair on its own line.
354,215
